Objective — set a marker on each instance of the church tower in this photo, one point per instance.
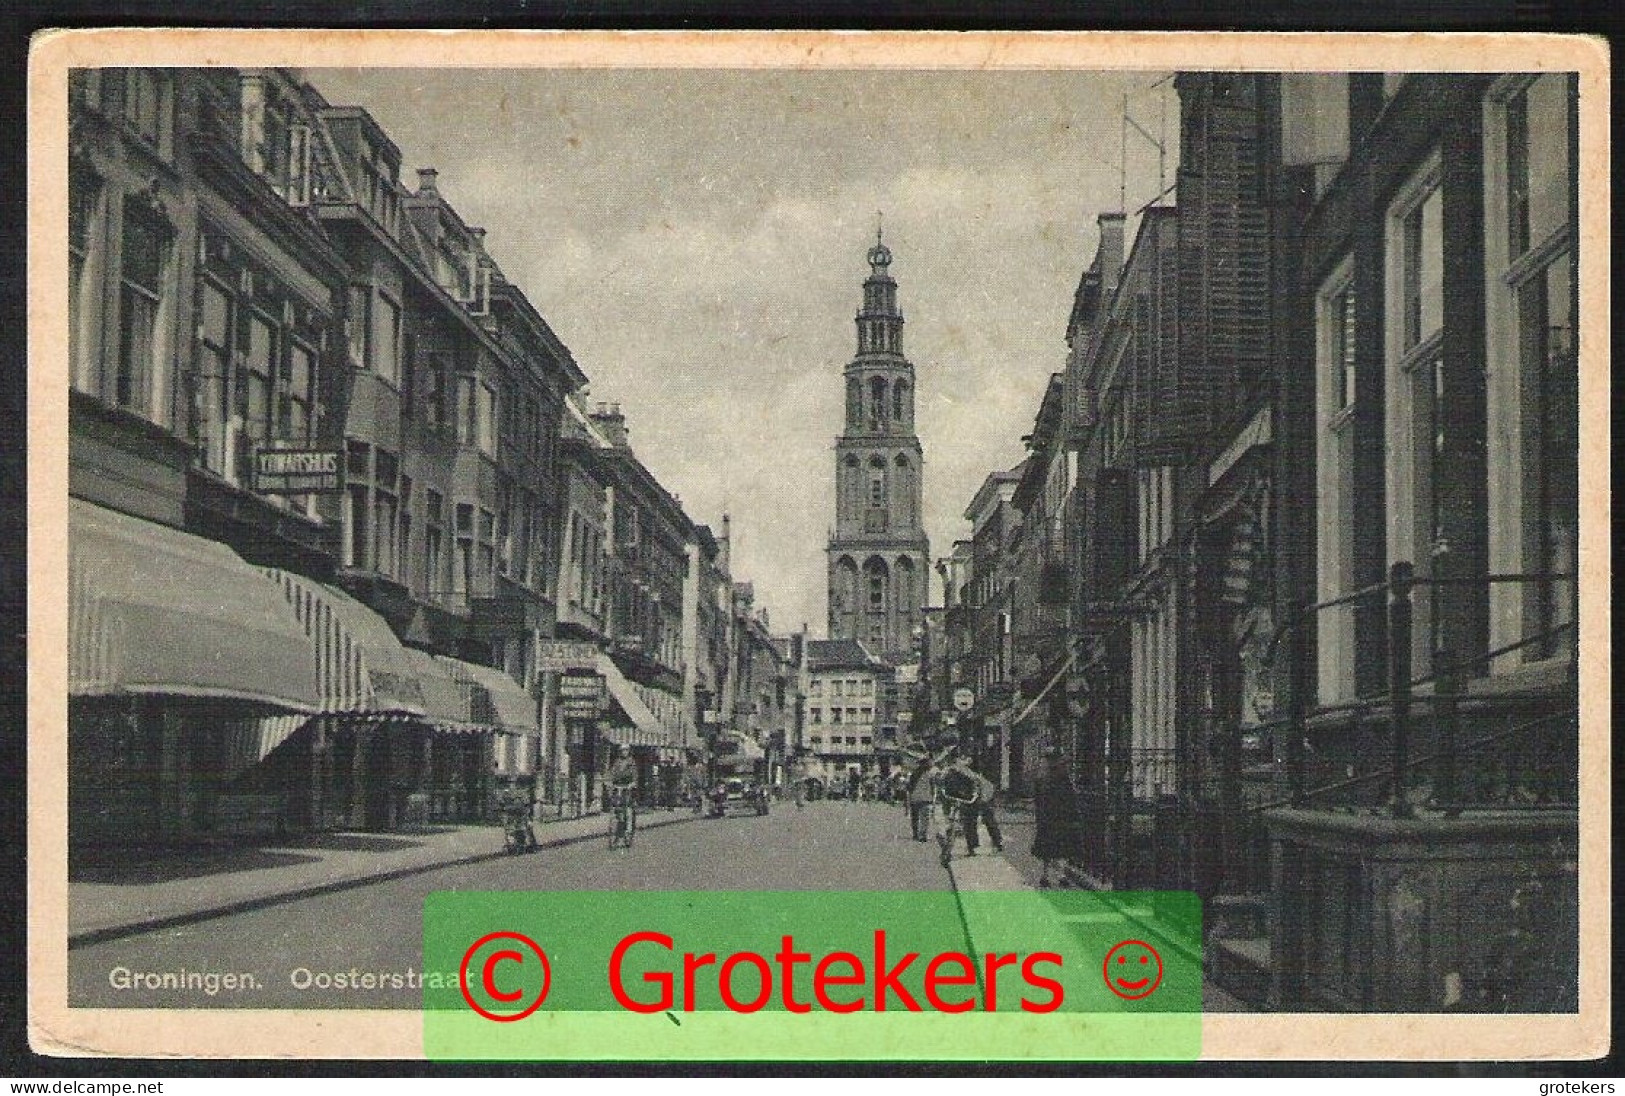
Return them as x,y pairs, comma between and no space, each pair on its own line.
878,551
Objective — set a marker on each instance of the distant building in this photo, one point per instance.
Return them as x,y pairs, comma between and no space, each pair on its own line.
846,688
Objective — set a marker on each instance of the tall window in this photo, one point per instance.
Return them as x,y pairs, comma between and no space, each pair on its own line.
486,420
254,377
386,338
142,267
386,511
462,577
1335,318
1415,382
357,510
466,412
295,422
404,569
213,369
149,107
487,551
1529,246
434,542
84,239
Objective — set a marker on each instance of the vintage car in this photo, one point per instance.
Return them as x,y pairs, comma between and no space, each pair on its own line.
736,794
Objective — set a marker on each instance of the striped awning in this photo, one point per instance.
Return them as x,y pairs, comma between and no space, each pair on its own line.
153,610
499,700
448,703
638,726
361,668
734,746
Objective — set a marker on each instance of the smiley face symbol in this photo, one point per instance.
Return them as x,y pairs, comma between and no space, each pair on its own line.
1132,970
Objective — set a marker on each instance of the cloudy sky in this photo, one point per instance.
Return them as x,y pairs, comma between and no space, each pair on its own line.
697,239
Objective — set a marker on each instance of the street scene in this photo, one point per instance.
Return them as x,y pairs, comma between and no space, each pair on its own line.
482,481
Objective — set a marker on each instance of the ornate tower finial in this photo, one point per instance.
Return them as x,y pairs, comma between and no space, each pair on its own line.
879,225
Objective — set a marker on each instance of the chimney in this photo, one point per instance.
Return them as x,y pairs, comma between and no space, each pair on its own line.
1109,255
426,182
609,420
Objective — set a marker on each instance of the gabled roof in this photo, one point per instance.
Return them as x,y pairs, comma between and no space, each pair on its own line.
840,654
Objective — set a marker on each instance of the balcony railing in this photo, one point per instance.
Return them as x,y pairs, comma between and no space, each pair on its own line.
1530,761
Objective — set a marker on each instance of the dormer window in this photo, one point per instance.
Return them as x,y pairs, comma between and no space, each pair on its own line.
478,294
275,144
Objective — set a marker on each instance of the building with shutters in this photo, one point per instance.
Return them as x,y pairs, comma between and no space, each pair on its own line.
1319,528
878,553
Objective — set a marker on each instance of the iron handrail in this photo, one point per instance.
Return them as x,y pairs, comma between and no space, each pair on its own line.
1376,774
1444,669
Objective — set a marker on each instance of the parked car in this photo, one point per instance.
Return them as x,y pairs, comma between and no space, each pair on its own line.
738,793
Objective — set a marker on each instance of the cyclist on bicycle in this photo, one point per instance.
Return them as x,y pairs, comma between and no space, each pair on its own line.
623,788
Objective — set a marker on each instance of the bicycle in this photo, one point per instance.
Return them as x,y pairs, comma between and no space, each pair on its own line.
953,809
623,819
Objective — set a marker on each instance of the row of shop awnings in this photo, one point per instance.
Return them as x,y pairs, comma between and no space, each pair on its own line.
648,717
156,611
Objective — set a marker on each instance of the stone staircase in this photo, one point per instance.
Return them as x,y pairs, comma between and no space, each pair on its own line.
1238,946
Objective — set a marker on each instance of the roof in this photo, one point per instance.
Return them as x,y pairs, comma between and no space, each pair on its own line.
990,489
840,654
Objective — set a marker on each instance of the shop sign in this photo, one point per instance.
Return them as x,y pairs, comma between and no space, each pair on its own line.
298,471
556,656
581,696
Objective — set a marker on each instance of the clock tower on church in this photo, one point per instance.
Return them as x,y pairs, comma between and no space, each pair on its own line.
878,551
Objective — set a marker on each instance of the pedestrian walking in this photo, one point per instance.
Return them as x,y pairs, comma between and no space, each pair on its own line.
1059,822
922,792
978,811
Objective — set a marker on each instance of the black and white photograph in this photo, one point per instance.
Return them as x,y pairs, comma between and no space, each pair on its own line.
854,476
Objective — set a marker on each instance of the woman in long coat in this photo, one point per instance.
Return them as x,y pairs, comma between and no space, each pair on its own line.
1059,823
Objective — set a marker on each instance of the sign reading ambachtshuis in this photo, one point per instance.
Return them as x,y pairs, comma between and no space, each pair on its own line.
298,471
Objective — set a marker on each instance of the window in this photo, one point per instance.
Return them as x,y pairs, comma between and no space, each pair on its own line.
462,576
877,487
386,333
431,381
877,592
835,688
1335,319
866,687
358,477
404,570
142,268
487,550
816,688
211,412
294,394
835,715
1533,379
386,511
84,251
356,321
253,390
505,524
817,715
466,410
434,542
1414,424
149,106
486,420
